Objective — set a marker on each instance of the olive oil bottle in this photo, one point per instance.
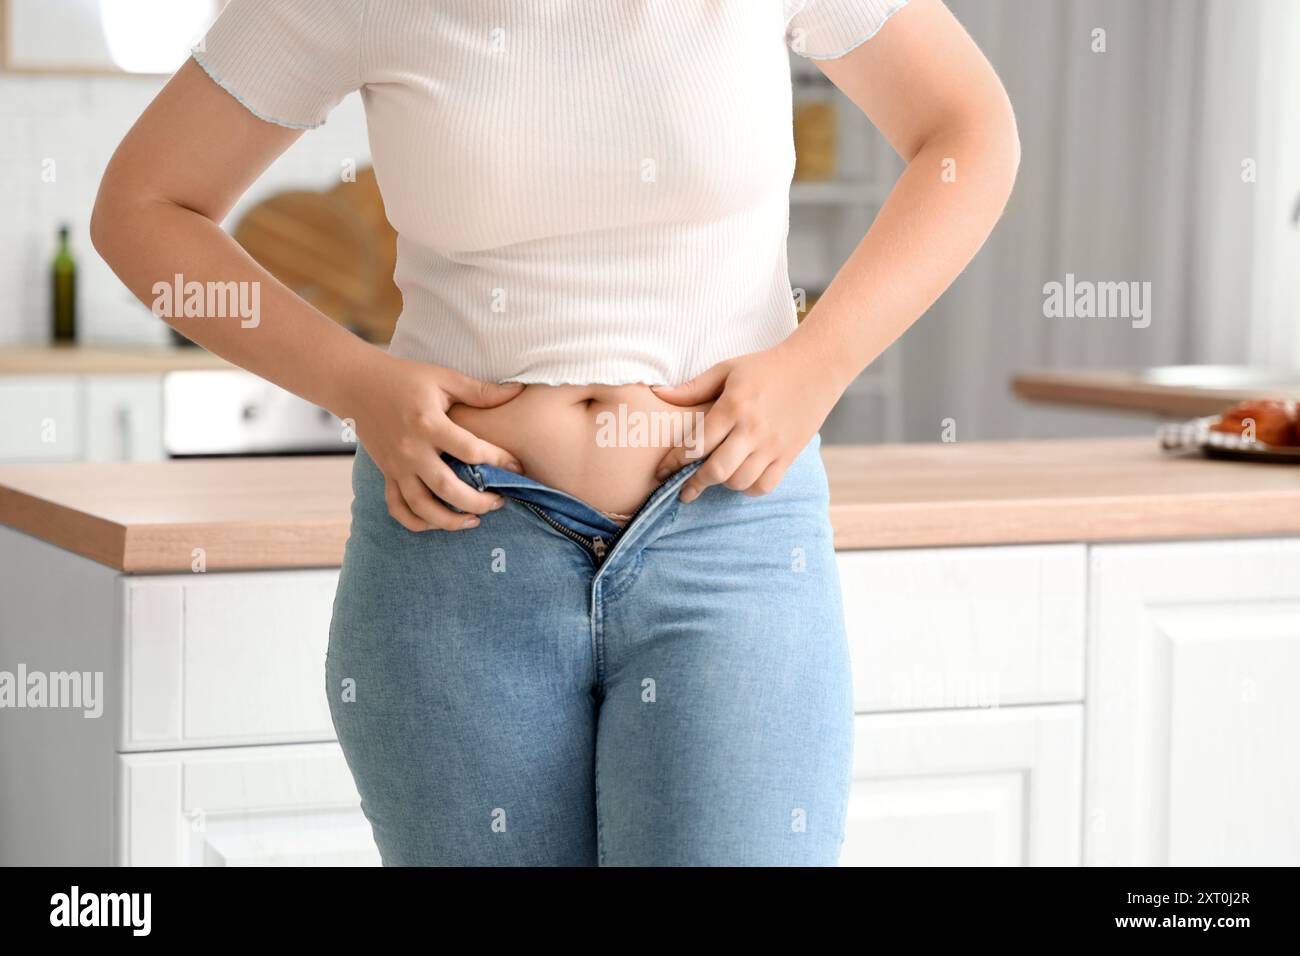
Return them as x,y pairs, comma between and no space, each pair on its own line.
64,298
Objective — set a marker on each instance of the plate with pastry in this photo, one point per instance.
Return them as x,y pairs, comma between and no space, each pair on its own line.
1256,430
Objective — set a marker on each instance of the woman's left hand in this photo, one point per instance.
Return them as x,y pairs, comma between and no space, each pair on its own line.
768,406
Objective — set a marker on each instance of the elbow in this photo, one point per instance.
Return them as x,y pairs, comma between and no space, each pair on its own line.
102,222
1000,147
113,217
1007,137
1008,165
1012,140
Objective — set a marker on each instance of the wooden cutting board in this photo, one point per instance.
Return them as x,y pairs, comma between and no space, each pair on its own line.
335,248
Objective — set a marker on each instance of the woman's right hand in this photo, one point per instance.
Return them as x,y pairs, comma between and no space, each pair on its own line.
400,410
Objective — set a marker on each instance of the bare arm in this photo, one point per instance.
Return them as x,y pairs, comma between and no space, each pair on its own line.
175,176
173,179
936,99
926,86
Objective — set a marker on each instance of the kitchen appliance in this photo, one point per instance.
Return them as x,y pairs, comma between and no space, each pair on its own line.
218,412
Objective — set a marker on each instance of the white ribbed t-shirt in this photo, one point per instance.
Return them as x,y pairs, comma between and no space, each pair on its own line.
584,191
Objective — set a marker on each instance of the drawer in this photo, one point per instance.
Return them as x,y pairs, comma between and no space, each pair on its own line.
246,806
225,659
938,628
123,418
967,788
40,418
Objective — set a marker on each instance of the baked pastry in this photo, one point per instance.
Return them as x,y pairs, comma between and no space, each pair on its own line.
1270,422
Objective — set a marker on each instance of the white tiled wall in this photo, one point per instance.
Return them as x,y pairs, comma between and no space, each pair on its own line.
76,122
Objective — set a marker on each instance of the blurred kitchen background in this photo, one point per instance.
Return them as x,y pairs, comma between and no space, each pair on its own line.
1159,144
1063,652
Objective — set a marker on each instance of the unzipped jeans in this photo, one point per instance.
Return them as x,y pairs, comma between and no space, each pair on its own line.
550,688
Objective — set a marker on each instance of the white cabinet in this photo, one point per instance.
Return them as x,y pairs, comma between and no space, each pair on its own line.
933,628
40,418
221,659
248,806
944,641
123,418
80,418
967,788
1193,709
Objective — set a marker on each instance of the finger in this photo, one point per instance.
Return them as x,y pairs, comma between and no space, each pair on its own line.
421,500
722,464
473,450
703,388
768,480
749,470
714,428
400,510
480,394
451,489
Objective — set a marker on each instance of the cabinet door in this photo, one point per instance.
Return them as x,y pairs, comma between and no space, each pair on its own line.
245,806
190,643
938,628
1193,714
123,417
40,418
967,788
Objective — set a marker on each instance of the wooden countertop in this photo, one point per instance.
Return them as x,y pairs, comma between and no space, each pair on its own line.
104,360
293,512
1129,390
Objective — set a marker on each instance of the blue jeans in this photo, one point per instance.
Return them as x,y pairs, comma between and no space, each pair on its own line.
547,689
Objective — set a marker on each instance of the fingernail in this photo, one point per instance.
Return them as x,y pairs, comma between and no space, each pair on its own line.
689,494
469,523
514,466
498,503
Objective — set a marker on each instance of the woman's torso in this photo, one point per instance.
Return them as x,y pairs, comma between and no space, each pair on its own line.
584,192
602,198
599,443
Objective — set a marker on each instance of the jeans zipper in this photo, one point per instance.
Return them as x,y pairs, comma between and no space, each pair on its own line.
643,509
595,545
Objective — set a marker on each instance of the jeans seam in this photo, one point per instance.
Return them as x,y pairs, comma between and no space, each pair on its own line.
600,822
628,579
598,635
631,576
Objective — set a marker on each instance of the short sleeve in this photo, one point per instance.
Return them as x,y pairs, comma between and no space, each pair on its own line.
288,61
827,29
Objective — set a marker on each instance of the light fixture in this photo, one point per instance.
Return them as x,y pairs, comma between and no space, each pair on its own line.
153,36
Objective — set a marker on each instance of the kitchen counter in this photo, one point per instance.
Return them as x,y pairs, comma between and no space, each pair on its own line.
105,360
1176,392
249,514
1069,666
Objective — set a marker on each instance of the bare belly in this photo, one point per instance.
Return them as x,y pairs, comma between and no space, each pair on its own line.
599,443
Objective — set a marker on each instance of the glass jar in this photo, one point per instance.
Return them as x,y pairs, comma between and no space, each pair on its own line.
814,129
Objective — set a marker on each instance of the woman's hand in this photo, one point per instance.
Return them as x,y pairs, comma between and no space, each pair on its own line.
769,405
400,409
